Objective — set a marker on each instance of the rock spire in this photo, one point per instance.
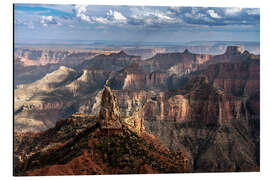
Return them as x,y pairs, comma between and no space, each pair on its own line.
109,114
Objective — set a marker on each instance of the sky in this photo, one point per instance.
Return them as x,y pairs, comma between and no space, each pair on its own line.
35,23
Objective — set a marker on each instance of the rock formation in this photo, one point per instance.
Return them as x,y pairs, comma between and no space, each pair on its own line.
197,101
232,50
236,78
109,114
135,123
57,95
114,61
36,56
134,77
214,118
164,61
78,146
40,61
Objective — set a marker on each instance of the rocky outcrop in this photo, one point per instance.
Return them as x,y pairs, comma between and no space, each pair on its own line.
109,114
227,148
39,116
78,146
47,84
76,58
167,60
112,62
22,75
201,102
37,57
40,61
196,101
233,50
89,81
59,94
236,78
214,48
205,105
134,77
182,69
208,124
135,123
130,102
233,54
44,56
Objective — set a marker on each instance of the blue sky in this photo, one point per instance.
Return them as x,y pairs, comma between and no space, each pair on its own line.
36,22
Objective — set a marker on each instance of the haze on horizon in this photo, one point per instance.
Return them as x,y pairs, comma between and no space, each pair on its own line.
37,22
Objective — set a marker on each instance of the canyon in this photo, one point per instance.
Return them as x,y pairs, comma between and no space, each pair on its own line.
84,144
205,106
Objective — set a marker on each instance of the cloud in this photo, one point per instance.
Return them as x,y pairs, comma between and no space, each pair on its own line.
111,17
86,17
117,16
170,16
21,23
151,17
138,16
255,11
80,11
48,20
196,16
216,16
232,11
100,20
213,14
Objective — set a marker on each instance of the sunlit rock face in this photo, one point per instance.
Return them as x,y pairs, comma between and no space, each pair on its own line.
109,112
233,50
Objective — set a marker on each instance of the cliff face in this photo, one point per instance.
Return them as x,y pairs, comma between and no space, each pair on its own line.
22,75
233,54
134,77
31,57
205,105
135,123
213,47
43,56
40,61
109,112
210,125
241,78
182,69
112,62
76,58
40,104
233,50
197,101
227,148
89,81
167,60
35,113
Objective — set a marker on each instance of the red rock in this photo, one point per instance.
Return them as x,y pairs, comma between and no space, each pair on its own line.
109,114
